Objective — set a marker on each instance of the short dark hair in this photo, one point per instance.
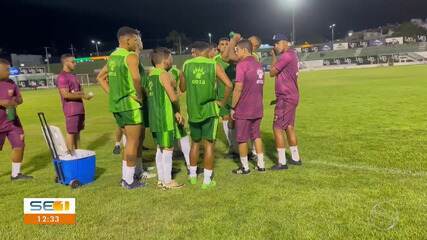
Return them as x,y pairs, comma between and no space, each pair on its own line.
200,45
245,44
4,61
223,39
159,54
126,31
257,38
65,56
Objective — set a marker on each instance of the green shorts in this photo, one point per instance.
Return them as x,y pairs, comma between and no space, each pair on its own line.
145,115
164,139
132,117
204,130
180,131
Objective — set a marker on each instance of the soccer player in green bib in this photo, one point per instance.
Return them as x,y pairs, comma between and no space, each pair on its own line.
164,114
224,112
180,132
199,81
125,98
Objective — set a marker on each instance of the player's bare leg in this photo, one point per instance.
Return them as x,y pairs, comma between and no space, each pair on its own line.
243,152
70,141
194,159
260,154
293,145
132,133
208,164
166,161
17,157
118,137
77,141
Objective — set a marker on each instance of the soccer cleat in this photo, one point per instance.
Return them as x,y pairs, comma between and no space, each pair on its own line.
172,185
116,149
241,171
21,177
212,184
259,169
279,167
159,184
192,180
293,162
134,185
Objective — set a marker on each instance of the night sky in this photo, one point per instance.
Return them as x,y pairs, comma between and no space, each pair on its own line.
28,25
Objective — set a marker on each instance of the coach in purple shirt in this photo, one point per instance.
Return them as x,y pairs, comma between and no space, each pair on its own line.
247,105
10,125
72,97
285,70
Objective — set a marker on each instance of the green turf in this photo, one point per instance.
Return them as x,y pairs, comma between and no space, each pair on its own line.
362,137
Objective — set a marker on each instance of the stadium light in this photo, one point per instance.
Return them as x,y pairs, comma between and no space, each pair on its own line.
293,4
210,38
332,27
96,43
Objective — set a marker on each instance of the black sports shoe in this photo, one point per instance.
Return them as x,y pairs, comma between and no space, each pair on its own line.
293,162
259,169
21,177
241,171
279,167
133,185
116,149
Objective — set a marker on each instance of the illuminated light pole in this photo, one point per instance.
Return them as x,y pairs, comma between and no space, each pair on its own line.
97,43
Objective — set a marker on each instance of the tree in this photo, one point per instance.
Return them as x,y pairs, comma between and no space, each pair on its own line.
178,40
409,29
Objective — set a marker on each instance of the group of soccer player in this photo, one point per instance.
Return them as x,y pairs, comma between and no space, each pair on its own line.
220,81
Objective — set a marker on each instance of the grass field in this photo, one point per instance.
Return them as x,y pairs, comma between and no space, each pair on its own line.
363,138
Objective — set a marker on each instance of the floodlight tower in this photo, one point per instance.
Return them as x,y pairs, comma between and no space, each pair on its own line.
332,27
96,43
293,4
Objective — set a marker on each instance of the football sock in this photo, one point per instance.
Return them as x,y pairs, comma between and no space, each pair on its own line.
207,174
185,148
124,140
130,171
124,164
282,155
167,166
261,163
245,163
159,165
193,171
294,152
16,169
117,144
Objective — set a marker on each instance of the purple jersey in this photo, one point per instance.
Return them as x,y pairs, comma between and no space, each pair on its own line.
286,81
70,82
8,90
249,72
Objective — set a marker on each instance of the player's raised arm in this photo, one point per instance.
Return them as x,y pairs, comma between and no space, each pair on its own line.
229,54
102,79
220,73
133,65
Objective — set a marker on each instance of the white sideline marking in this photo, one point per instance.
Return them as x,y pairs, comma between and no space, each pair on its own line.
392,171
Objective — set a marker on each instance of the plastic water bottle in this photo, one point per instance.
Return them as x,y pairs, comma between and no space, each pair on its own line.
11,113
